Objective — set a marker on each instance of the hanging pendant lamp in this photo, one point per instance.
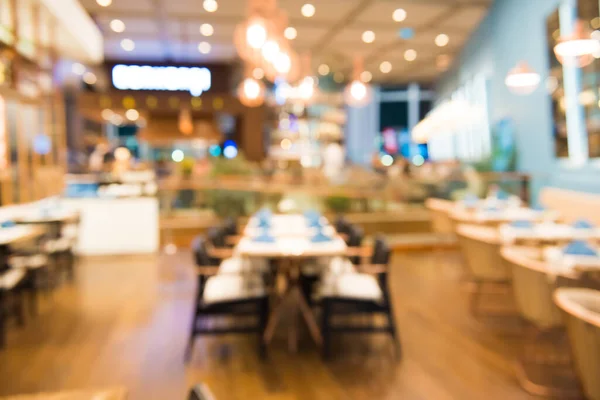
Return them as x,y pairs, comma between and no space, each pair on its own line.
577,49
251,91
185,123
522,80
357,93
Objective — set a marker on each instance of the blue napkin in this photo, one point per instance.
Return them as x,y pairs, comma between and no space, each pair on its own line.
582,224
522,224
491,208
312,214
264,237
264,222
579,248
264,213
7,224
539,207
315,223
320,237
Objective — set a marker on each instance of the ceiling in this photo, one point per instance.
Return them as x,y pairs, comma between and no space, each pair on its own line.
168,30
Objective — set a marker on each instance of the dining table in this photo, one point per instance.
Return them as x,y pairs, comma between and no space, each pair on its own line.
290,240
52,217
546,233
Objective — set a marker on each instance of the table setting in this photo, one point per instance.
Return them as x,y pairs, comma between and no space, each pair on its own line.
547,232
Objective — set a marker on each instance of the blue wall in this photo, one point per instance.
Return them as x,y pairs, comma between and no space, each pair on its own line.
515,30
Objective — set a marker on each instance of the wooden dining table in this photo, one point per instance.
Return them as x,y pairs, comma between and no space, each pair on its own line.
291,245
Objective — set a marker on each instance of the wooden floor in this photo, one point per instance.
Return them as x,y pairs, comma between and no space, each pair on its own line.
125,322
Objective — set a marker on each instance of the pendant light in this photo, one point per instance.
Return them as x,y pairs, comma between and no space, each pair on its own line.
357,93
577,49
185,123
307,87
522,80
251,91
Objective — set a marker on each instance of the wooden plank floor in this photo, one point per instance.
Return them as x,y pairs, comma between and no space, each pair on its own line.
125,322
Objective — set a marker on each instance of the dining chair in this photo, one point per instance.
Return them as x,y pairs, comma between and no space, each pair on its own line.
354,242
533,290
480,247
216,244
439,210
363,292
12,284
226,295
581,310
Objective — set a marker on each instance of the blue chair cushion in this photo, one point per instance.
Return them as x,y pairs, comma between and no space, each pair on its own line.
583,224
580,248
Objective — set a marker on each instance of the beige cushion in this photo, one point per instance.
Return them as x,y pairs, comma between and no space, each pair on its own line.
29,262
230,287
11,278
352,286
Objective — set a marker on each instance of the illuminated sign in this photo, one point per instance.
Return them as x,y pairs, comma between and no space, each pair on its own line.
142,77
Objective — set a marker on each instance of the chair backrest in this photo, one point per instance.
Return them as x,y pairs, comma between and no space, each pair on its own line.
201,257
440,215
532,287
355,239
381,252
480,246
216,237
581,309
342,225
230,226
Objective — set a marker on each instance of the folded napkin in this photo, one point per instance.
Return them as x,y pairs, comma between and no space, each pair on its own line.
539,207
502,195
7,224
264,222
582,224
470,200
579,248
491,209
264,237
264,213
315,223
522,224
320,237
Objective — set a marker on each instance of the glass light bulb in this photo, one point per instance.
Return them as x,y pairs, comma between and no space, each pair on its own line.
358,90
251,88
256,35
270,50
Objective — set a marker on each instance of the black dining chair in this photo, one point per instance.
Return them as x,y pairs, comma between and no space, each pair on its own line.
216,245
365,292
354,242
13,283
226,295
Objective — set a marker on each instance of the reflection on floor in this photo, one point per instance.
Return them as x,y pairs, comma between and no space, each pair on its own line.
125,322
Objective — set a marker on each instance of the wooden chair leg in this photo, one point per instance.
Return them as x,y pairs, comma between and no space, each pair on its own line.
325,327
2,320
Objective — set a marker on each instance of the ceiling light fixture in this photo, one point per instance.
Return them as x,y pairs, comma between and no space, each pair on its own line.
385,67
117,26
210,5
290,33
323,69
251,92
104,3
127,44
410,55
366,76
442,62
442,40
207,29
338,77
522,80
368,36
204,47
132,114
308,10
357,93
399,15
577,49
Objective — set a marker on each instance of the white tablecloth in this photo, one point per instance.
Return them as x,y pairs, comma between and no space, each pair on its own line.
547,232
565,264
291,247
15,233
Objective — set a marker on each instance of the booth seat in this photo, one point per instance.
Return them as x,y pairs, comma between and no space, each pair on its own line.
572,205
